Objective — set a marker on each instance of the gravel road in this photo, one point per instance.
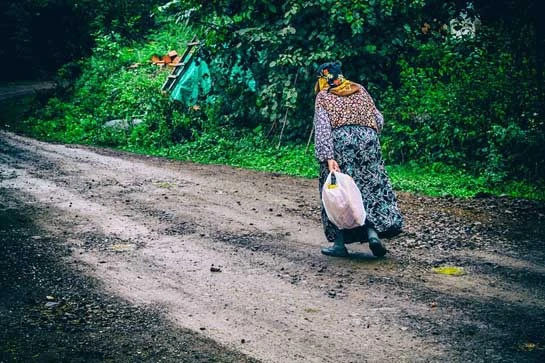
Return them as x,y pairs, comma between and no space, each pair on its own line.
24,89
148,259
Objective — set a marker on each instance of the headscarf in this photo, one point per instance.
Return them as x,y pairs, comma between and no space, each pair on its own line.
330,78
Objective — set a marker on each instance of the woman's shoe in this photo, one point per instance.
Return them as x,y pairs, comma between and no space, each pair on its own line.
335,251
376,247
338,249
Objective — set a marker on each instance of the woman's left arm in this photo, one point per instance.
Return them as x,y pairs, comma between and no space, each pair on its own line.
323,142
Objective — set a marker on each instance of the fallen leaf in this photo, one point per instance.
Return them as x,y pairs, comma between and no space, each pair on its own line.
528,347
51,304
449,270
122,247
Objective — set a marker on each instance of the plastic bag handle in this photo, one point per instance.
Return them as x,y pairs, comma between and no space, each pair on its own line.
333,179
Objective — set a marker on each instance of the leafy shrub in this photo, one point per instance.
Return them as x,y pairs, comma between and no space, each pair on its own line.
447,101
442,95
119,86
457,104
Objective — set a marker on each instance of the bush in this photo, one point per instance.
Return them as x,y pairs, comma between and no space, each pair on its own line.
117,100
457,105
447,101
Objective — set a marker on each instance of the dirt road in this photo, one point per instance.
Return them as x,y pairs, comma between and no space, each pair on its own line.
234,255
23,89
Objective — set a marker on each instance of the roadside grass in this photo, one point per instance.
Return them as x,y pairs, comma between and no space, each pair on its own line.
252,152
457,183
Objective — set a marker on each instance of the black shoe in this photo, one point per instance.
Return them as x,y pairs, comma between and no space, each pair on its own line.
376,247
335,251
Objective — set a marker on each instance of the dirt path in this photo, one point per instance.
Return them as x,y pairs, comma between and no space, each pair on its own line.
234,255
23,89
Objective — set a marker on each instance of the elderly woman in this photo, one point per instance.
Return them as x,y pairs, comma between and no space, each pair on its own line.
347,126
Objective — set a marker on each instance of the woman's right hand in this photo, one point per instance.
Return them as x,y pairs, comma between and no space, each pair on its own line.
333,166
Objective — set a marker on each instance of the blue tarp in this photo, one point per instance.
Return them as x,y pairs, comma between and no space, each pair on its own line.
194,82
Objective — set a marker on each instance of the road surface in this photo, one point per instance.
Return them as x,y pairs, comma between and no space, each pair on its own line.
234,255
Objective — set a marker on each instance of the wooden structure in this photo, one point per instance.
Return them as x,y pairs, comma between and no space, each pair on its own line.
179,67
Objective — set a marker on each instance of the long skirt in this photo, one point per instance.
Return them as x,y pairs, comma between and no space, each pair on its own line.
357,151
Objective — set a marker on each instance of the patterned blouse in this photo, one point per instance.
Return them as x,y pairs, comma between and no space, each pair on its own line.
332,111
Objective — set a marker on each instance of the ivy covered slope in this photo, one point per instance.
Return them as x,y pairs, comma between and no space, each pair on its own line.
456,85
461,88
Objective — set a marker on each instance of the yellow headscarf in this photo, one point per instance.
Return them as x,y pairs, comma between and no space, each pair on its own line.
345,88
331,79
320,85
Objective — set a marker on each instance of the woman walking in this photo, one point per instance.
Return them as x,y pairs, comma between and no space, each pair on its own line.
347,126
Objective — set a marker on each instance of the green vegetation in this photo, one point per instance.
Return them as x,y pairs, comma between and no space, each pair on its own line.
253,152
442,180
455,123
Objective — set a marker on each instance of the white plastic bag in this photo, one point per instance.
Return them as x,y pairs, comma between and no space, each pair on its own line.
343,202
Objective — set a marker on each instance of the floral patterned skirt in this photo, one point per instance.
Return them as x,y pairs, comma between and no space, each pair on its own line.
357,151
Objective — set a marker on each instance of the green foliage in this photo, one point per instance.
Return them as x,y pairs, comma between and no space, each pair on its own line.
448,102
281,43
446,99
44,35
117,100
457,104
441,180
243,149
